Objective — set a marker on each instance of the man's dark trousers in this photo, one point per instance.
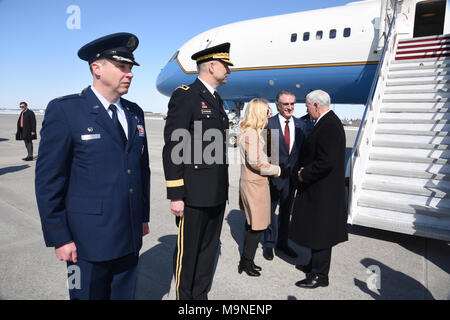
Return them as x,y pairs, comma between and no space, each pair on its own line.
108,280
285,198
319,264
196,250
29,146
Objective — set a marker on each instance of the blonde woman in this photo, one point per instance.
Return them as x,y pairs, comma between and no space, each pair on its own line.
254,182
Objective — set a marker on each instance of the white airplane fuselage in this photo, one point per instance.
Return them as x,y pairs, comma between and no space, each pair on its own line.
335,49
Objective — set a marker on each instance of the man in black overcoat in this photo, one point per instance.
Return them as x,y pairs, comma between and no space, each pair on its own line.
26,129
319,220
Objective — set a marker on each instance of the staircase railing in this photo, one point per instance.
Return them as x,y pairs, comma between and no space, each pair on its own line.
362,145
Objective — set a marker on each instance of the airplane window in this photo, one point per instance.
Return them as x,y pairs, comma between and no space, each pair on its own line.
319,35
306,36
174,56
293,37
347,32
332,33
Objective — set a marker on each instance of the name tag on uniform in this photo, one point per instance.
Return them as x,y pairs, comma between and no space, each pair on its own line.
90,136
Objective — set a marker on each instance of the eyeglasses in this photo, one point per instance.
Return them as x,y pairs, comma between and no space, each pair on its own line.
287,103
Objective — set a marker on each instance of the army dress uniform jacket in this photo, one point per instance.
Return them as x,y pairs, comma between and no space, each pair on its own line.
90,189
198,182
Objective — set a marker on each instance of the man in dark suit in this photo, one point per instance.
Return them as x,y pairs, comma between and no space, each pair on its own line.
93,176
291,133
197,176
309,123
26,129
319,220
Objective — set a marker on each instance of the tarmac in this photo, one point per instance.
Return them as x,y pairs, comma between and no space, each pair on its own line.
372,264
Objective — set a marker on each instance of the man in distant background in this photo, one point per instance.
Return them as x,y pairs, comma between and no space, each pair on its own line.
26,129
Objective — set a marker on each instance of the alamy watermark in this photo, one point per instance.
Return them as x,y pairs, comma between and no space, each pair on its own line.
211,147
73,277
374,280
73,22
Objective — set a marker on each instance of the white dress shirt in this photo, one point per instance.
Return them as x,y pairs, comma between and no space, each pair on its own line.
210,89
120,113
291,129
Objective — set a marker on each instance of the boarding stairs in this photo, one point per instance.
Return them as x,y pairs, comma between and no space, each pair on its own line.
400,178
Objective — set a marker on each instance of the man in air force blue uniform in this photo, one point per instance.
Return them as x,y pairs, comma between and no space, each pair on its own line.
93,176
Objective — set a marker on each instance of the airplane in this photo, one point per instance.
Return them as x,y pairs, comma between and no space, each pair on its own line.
299,52
342,50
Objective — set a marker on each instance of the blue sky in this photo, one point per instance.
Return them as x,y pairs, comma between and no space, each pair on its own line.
39,52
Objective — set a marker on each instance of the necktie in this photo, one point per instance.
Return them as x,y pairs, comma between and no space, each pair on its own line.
117,124
269,143
218,98
287,135
21,119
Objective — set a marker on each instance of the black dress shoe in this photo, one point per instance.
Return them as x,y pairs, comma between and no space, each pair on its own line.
255,267
28,159
312,282
287,250
247,266
268,253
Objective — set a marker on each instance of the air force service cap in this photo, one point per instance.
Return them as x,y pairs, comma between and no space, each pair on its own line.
118,47
220,52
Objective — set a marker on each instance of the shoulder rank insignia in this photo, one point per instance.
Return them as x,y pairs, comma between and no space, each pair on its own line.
83,91
184,87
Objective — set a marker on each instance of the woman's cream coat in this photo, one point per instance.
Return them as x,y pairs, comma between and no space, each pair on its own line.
254,182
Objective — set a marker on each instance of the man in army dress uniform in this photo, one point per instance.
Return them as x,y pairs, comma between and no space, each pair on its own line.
196,186
93,176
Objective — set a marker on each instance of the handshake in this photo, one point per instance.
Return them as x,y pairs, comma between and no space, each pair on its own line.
285,171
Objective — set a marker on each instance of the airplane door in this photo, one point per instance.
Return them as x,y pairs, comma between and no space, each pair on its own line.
429,18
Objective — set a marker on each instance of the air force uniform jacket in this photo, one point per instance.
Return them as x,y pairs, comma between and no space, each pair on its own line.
90,189
201,179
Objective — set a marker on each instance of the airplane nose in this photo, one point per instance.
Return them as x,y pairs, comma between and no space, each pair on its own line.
171,77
